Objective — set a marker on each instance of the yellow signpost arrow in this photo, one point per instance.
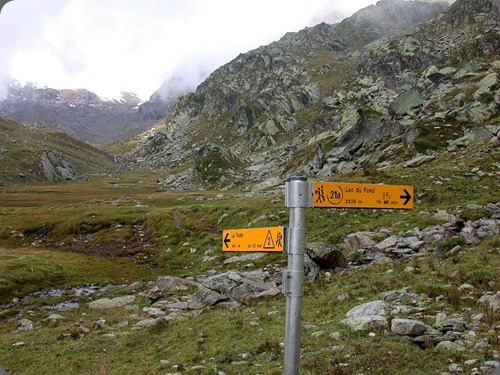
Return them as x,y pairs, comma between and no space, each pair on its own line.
254,239
345,195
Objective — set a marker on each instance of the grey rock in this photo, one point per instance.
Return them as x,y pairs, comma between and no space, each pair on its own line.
245,258
493,208
24,325
173,284
154,294
311,269
445,216
456,367
107,303
407,103
359,240
454,251
205,297
377,307
326,256
419,160
492,364
444,324
54,317
57,169
365,323
386,243
234,286
407,327
154,311
398,296
449,346
472,137
152,322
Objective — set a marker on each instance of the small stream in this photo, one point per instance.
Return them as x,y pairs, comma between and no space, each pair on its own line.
21,306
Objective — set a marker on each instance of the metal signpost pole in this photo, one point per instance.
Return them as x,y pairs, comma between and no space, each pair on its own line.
297,198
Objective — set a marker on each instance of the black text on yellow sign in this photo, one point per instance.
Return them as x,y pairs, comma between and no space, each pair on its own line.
345,195
254,239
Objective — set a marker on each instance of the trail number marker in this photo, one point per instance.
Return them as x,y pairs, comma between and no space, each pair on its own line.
254,239
337,194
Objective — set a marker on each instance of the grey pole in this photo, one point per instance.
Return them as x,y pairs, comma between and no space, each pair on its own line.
297,198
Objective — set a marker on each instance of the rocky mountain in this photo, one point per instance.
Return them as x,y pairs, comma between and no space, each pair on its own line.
44,155
81,113
395,84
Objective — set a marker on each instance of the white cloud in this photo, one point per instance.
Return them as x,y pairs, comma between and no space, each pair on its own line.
128,45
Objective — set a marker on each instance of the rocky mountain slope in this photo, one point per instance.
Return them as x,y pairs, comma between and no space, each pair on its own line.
331,99
81,113
44,155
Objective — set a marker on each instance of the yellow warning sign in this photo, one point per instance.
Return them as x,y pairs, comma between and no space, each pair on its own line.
345,195
254,239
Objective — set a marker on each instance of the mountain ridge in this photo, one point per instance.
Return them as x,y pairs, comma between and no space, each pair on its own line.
82,113
320,104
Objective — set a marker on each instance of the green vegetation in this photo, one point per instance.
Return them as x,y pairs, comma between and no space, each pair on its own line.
121,229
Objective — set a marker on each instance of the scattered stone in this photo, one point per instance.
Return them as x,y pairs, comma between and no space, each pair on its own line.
455,367
154,311
245,258
365,323
454,251
24,325
377,307
151,322
387,243
419,161
54,317
445,216
107,303
449,346
471,362
173,284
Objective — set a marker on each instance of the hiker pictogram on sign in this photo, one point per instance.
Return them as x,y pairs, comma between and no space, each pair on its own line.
279,240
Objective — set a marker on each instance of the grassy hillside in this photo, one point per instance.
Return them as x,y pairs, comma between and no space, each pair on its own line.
21,150
120,230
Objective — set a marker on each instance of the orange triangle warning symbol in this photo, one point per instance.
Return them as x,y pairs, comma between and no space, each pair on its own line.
269,242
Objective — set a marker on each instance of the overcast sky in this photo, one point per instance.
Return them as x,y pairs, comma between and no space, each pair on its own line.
110,46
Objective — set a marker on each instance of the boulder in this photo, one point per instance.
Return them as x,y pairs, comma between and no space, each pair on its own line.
408,327
474,136
58,169
233,286
326,256
359,240
407,102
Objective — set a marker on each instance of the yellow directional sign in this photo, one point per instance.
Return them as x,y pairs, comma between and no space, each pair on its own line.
254,239
337,194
